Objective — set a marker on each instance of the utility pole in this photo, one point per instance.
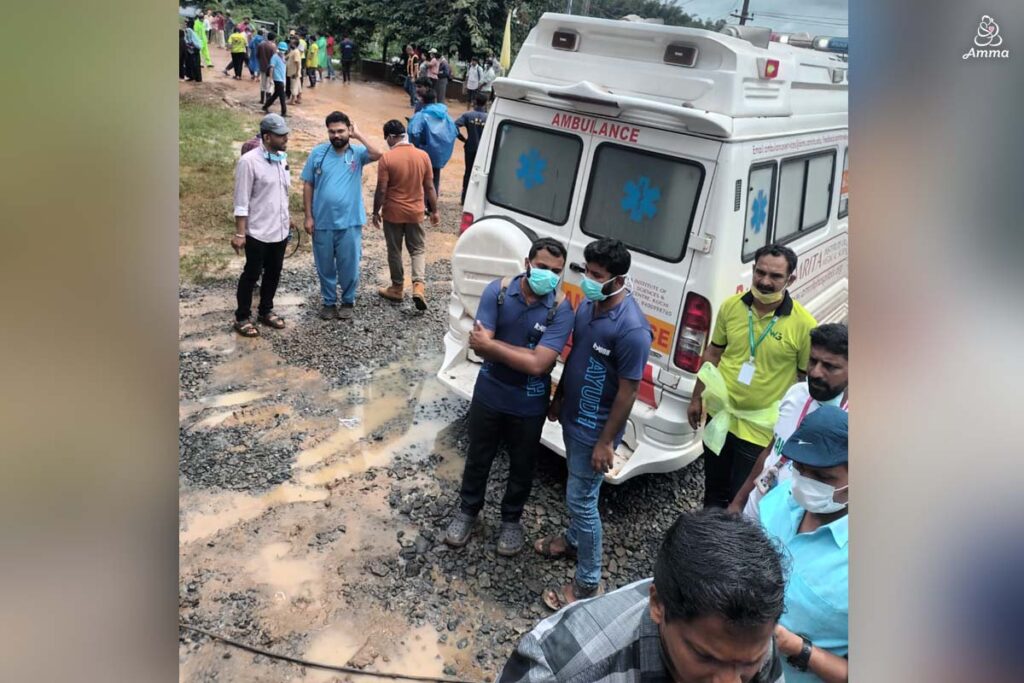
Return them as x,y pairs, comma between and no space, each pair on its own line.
568,8
744,13
586,8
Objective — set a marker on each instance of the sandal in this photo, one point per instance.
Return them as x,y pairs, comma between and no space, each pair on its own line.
246,328
543,548
557,598
272,320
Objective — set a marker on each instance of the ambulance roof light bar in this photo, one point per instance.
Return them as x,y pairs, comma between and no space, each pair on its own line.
821,43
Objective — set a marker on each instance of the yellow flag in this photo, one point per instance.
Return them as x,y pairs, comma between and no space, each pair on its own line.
506,44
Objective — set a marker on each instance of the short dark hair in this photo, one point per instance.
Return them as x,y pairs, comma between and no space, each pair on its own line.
394,127
610,254
424,82
833,337
717,563
429,97
480,99
271,35
337,117
778,250
550,244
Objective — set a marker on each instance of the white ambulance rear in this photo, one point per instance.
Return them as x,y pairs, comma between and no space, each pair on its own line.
694,148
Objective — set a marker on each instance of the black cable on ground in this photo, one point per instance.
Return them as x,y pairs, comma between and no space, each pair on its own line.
315,665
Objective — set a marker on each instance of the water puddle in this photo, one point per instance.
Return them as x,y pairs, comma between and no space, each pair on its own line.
336,644
211,513
285,575
234,398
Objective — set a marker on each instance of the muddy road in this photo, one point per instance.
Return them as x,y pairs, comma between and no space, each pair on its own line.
319,464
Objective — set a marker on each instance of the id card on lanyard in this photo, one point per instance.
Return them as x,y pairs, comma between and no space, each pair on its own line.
746,375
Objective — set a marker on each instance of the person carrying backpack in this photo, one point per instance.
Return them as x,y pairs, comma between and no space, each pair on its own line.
522,325
433,131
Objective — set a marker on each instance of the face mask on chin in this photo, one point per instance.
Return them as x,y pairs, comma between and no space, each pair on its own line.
773,298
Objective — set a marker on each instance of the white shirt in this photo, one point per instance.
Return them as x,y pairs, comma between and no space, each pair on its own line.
796,405
261,194
473,77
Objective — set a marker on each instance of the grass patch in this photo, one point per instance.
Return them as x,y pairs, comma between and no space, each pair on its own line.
209,140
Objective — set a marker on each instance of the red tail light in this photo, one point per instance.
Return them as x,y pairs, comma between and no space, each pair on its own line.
467,220
645,393
693,332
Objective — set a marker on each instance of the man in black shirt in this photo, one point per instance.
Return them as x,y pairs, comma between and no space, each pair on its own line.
473,121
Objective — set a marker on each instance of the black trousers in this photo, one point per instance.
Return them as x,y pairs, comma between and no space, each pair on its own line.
346,71
487,428
312,77
237,62
193,69
278,94
261,258
470,156
182,60
725,473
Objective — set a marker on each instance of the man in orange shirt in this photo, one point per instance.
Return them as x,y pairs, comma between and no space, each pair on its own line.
404,178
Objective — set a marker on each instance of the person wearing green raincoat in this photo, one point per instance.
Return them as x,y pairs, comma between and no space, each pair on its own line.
322,56
204,47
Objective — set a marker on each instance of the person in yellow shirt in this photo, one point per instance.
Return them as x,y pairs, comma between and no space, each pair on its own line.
237,43
312,60
294,71
761,344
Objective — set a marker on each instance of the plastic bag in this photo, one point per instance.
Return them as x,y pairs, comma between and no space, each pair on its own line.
716,401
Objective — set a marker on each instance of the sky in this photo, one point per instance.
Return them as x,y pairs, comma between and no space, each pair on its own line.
817,17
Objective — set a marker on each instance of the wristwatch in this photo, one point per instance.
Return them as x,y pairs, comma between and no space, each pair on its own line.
801,661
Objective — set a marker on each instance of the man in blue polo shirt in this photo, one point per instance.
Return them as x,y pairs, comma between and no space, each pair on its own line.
611,341
522,325
808,515
332,196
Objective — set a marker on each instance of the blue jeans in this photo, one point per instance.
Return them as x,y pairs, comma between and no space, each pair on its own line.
581,494
410,87
336,254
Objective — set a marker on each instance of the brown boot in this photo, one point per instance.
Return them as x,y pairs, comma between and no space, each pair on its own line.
392,293
419,296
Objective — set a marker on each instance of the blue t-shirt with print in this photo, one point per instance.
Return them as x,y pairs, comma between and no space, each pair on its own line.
516,322
611,346
337,186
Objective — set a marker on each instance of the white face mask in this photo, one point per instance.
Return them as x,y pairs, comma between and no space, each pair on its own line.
815,496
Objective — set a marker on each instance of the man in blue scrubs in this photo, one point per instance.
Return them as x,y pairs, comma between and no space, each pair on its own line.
611,342
333,200
522,325
808,515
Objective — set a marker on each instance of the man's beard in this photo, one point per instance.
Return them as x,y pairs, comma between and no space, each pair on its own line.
822,392
339,143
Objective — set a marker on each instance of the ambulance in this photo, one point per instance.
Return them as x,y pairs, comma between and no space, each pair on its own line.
692,147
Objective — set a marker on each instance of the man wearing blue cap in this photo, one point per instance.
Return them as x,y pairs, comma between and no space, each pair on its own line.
808,515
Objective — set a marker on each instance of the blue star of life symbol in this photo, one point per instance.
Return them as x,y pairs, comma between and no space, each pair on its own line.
531,168
759,212
641,200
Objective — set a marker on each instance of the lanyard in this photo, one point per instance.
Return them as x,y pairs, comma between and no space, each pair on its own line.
750,328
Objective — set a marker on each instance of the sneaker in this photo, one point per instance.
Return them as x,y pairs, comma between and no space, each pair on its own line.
419,296
510,539
328,312
459,529
346,311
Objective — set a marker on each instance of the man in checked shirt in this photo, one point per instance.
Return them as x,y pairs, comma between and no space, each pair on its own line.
708,616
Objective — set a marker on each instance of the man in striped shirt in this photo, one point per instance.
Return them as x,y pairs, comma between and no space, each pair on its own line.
709,614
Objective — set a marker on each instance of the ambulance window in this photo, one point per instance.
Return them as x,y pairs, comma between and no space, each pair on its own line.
760,204
805,194
534,171
844,188
646,200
